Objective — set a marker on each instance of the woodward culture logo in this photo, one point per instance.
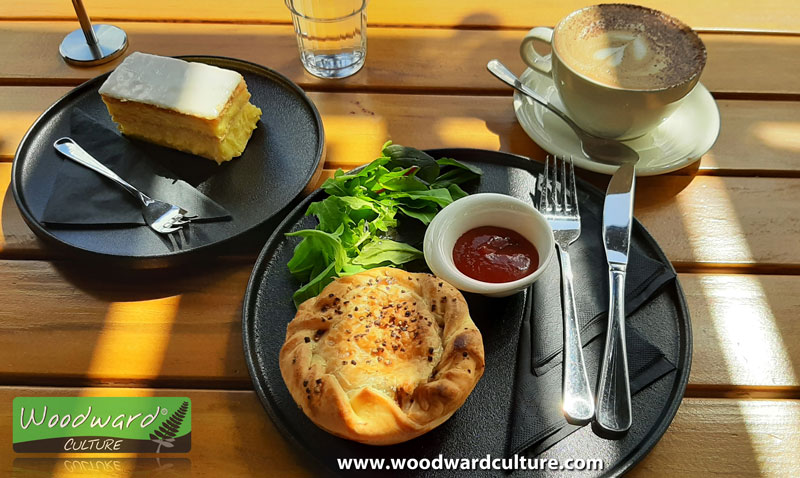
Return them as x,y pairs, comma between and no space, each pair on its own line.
102,424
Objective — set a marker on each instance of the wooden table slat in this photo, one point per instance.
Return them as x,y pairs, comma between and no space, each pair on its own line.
758,137
769,15
737,65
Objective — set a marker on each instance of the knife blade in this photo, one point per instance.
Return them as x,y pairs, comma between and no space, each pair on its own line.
618,214
613,409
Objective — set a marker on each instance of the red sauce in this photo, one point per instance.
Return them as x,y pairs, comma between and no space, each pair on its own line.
495,254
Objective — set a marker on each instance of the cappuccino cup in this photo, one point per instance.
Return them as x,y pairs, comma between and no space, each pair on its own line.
619,69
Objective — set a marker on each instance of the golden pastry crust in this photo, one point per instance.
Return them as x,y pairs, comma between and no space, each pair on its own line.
382,356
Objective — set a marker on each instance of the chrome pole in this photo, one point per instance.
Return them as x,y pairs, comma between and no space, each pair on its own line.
92,44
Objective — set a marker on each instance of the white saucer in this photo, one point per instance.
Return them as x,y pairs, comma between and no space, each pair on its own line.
677,142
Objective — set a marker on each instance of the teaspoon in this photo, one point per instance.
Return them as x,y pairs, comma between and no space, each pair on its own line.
603,150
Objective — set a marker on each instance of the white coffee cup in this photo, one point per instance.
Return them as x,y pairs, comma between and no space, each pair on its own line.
603,109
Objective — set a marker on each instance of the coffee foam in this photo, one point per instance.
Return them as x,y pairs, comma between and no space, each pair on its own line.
632,47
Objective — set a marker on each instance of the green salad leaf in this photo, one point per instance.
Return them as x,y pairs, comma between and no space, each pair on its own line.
358,219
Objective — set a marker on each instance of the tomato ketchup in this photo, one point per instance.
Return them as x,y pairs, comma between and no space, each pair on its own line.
495,254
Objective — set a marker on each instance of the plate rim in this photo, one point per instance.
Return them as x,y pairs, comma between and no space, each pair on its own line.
653,436
180,255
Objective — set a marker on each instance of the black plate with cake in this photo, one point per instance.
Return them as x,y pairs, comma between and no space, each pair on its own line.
199,147
480,404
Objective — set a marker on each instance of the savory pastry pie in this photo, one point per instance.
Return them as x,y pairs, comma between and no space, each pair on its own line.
382,356
192,107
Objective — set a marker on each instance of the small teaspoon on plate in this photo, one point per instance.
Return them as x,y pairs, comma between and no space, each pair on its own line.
602,150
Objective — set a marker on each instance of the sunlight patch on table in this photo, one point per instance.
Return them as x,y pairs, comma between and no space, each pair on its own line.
783,135
709,161
747,332
139,332
716,228
769,432
460,133
353,140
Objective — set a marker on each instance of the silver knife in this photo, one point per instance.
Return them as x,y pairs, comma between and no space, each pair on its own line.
613,410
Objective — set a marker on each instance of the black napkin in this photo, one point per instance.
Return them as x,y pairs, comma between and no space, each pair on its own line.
645,276
537,421
82,197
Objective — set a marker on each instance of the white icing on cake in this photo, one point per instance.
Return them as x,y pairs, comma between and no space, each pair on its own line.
193,89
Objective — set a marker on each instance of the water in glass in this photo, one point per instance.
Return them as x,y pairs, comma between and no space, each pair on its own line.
330,46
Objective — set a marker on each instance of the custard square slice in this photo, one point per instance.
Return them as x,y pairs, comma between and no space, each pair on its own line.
192,107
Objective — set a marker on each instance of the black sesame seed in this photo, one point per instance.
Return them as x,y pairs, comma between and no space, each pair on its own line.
465,355
353,362
430,359
305,383
306,339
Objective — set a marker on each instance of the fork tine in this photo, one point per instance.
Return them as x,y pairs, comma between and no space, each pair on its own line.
543,203
564,184
573,188
554,196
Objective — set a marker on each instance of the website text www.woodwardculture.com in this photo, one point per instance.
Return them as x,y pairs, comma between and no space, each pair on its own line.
515,462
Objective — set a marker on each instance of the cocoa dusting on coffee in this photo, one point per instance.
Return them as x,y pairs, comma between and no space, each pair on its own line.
674,44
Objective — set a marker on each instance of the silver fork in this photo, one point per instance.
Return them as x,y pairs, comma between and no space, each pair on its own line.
162,217
558,202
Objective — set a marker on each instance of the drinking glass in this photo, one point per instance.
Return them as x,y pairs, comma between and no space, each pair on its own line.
331,35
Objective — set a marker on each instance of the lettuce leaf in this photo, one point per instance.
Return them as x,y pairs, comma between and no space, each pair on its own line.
361,213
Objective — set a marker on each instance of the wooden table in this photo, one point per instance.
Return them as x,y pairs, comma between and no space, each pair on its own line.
729,224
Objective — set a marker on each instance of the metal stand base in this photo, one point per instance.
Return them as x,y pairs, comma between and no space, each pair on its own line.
111,42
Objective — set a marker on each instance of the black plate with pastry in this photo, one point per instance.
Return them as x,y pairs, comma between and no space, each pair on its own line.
240,200
513,411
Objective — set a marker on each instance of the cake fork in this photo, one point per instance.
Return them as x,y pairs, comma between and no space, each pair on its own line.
558,202
162,217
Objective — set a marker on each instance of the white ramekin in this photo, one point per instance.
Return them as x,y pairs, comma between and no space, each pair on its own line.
485,209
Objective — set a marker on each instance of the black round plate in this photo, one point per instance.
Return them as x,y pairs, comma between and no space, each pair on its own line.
480,426
284,154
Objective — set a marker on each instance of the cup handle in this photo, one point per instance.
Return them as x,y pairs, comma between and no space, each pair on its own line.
540,63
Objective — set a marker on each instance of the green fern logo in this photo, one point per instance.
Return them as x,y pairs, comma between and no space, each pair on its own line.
165,434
